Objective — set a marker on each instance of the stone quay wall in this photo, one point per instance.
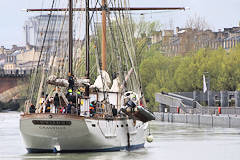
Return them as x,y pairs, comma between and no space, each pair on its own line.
228,121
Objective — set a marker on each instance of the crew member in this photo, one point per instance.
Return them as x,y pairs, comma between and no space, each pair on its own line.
41,102
114,111
79,94
62,110
92,109
48,107
32,109
71,81
69,94
56,101
69,107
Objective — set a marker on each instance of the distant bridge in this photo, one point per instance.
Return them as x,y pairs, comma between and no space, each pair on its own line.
15,73
12,93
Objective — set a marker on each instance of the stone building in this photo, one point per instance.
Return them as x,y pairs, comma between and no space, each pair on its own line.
18,59
27,60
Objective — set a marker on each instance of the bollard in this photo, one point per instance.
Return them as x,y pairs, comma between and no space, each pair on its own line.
219,110
178,109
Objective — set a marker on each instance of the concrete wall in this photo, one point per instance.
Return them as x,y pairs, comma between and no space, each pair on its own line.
181,118
207,120
234,122
228,121
192,119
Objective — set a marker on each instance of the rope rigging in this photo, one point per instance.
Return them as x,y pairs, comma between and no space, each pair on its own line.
41,52
121,47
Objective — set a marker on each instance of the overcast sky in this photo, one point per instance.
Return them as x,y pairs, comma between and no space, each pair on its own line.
218,14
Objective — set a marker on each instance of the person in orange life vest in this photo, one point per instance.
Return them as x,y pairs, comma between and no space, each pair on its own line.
92,109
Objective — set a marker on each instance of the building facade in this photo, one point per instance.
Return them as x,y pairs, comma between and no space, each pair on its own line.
36,28
185,40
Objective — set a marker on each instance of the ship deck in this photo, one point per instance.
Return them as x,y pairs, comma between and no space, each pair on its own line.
71,116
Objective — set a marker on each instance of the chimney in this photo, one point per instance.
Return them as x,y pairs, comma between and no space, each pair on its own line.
177,29
2,50
28,47
14,47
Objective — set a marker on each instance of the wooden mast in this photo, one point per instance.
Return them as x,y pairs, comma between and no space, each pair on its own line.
70,40
104,7
87,46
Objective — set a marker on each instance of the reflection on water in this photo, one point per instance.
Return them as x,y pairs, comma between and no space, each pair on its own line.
171,142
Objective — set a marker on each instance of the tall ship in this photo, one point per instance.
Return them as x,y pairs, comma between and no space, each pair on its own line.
72,109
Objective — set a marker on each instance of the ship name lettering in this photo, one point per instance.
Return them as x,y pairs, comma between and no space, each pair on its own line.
48,127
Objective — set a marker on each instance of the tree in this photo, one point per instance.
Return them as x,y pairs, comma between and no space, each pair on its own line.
197,23
184,73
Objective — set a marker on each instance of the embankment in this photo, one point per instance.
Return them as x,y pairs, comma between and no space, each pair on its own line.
9,106
228,121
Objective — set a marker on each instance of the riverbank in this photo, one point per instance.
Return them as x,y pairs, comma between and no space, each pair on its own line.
228,121
9,106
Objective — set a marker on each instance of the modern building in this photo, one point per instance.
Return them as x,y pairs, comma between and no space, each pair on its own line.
36,28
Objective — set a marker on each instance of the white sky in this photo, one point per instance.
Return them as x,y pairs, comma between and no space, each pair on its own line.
218,14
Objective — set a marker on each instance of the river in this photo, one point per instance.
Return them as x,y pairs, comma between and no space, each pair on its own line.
172,141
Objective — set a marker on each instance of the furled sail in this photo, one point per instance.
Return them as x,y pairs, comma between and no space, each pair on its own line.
53,80
102,82
116,85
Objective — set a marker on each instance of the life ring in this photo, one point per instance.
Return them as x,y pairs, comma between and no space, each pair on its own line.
132,96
